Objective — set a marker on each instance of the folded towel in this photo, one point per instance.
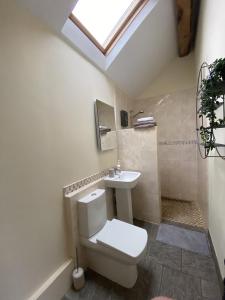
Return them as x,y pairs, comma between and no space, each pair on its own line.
145,123
103,127
144,126
145,119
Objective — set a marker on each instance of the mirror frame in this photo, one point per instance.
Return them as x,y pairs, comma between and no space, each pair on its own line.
97,124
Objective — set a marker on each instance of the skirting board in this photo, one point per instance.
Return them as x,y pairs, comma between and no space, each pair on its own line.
57,284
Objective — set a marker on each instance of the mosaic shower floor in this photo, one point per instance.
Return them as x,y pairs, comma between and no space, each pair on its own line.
183,212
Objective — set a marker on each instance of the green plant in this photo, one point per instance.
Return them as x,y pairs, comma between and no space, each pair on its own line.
217,69
212,89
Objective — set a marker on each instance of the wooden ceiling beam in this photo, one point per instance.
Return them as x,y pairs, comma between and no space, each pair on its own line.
184,26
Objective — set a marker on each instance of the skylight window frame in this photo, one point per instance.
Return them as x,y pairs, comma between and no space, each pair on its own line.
117,33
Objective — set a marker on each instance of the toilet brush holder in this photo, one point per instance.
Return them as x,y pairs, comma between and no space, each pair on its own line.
78,274
78,278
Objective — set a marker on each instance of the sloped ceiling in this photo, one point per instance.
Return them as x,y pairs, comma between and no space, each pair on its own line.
151,48
52,12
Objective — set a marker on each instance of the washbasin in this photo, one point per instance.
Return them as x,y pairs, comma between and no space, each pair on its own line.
123,183
124,180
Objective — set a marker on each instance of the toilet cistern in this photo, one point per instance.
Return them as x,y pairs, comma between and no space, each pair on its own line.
123,183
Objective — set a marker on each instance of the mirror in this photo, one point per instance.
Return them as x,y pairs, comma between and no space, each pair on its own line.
105,126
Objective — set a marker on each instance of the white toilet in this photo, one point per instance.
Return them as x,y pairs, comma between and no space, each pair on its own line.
113,248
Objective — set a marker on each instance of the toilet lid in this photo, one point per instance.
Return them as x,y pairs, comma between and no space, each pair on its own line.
126,238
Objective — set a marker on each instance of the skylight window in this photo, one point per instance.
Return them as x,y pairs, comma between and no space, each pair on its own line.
103,21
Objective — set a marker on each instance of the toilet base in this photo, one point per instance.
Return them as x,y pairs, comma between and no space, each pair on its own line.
117,271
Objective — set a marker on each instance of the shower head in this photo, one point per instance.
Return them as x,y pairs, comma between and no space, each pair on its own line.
140,112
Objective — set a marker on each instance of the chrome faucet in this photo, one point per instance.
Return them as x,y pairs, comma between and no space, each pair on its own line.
117,171
111,172
117,168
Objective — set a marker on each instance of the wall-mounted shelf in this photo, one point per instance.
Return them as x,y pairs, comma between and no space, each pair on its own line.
210,110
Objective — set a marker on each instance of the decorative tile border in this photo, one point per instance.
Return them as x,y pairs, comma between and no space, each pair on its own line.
70,188
178,142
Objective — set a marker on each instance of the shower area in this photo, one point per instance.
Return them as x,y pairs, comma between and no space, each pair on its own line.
177,154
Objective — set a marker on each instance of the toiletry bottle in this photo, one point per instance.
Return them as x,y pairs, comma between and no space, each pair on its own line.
118,167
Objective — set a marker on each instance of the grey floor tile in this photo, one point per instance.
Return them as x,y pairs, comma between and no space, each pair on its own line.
71,295
180,286
102,293
120,293
206,298
211,289
147,285
99,288
151,228
103,286
165,270
165,254
198,265
149,277
187,239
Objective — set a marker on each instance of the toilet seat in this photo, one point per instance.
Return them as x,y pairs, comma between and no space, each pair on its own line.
119,239
123,237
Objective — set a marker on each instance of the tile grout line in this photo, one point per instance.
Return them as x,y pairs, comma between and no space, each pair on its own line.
181,260
186,274
160,287
196,276
165,265
182,271
201,287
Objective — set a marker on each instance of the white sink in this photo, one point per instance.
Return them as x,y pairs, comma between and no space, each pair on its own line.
123,183
124,180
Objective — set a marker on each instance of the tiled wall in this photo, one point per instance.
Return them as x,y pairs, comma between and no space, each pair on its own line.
175,116
138,151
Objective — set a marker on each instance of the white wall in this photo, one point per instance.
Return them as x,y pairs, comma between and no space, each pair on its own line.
177,76
211,45
47,130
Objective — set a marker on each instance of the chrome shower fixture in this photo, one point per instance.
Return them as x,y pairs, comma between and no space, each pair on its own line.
140,112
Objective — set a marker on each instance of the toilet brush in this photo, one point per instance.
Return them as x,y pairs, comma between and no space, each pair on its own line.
78,274
77,261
